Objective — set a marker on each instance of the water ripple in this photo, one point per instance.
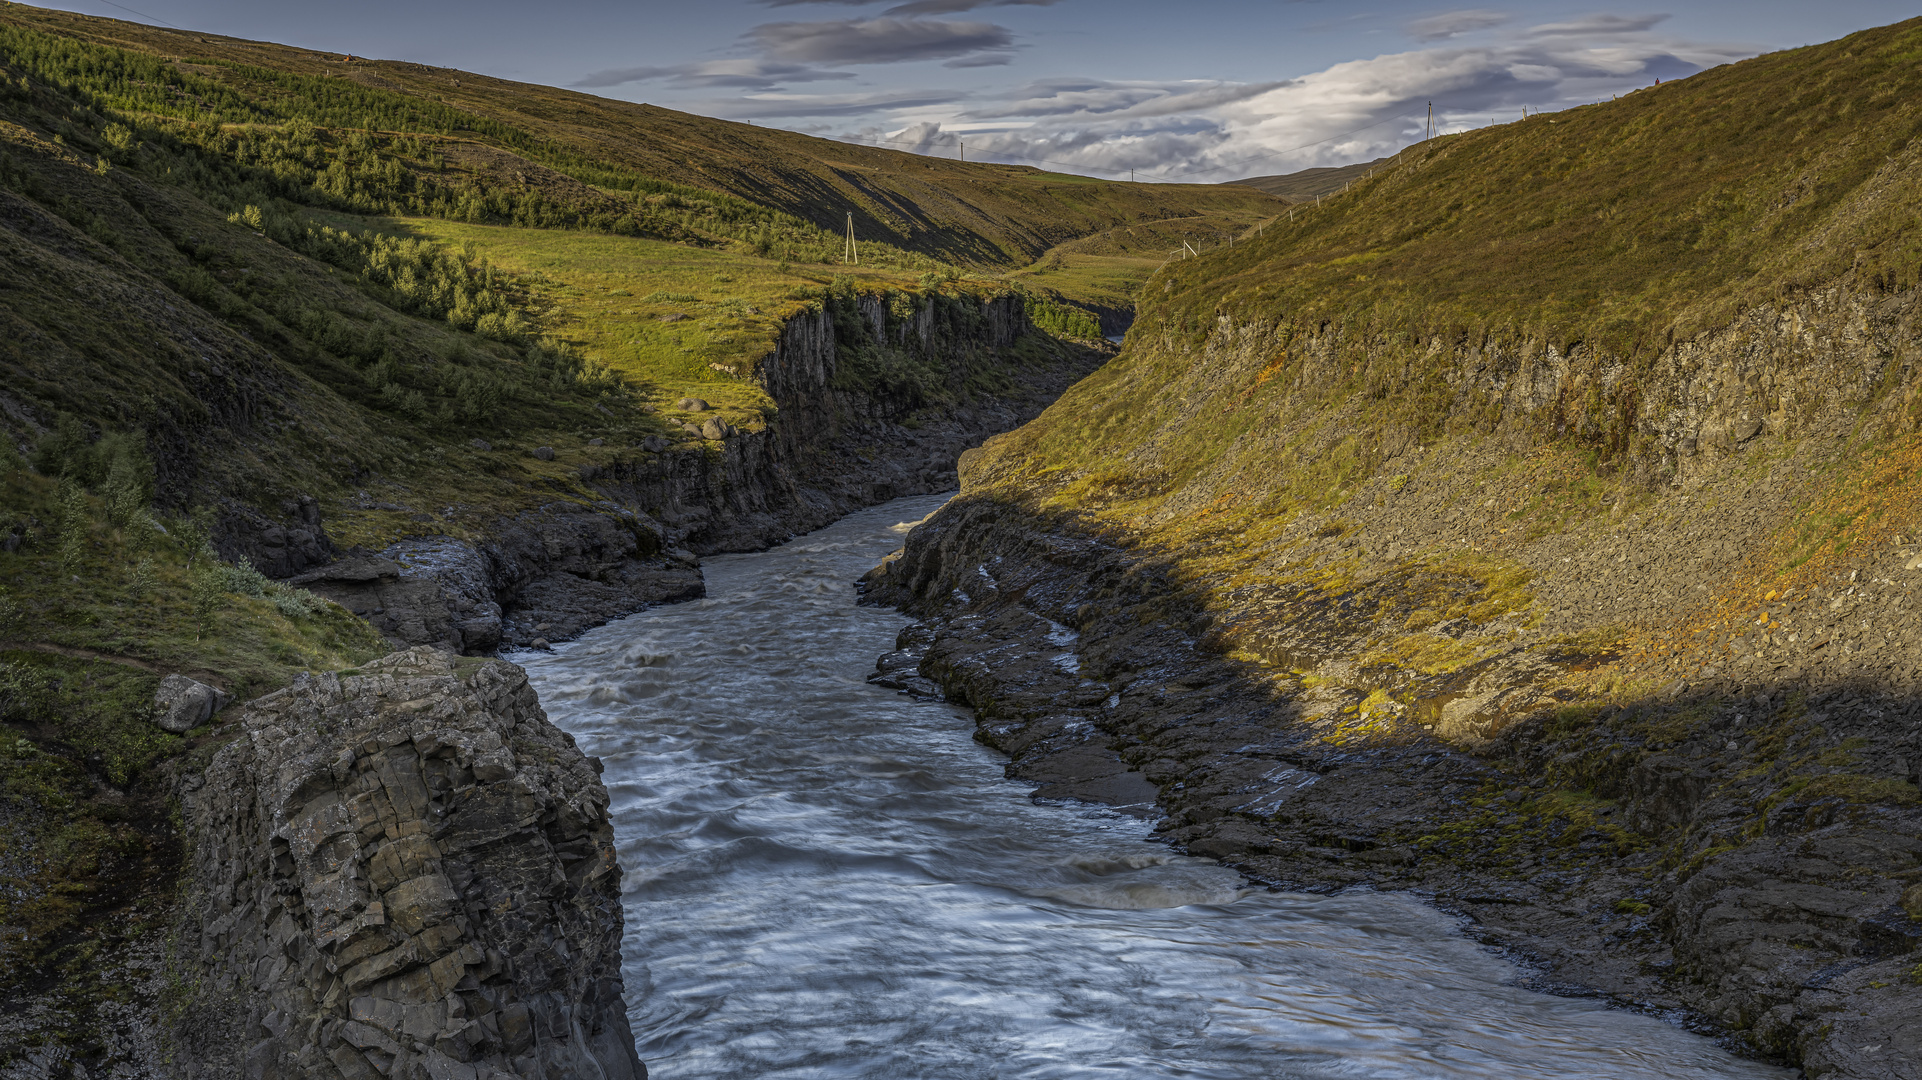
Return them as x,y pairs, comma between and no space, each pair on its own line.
826,879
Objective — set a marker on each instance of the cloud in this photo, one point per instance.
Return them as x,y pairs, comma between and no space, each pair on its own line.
1209,130
1455,24
788,106
1087,99
883,40
747,74
953,7
919,7
1594,26
983,59
1190,130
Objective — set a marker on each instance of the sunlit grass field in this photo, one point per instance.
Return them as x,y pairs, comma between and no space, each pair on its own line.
673,320
1109,268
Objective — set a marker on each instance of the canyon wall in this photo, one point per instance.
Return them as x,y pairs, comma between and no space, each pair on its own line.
837,443
1620,659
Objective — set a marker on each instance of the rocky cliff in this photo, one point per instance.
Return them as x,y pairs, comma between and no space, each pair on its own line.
1613,650
877,396
403,871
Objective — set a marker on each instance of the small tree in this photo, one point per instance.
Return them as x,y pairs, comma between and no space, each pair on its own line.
129,485
206,592
142,582
74,528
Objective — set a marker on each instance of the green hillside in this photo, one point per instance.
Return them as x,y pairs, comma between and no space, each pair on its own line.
1306,185
1622,224
1554,496
483,148
235,276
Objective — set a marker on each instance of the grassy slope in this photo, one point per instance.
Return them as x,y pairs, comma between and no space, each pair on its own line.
993,215
141,297
1620,226
1622,223
1615,227
1305,185
1109,268
1286,443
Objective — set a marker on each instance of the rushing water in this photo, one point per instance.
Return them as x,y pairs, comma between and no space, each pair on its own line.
827,879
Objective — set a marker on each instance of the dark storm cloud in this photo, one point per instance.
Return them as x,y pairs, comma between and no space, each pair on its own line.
884,40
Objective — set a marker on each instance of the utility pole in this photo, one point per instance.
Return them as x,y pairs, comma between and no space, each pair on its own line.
964,147
1431,122
853,253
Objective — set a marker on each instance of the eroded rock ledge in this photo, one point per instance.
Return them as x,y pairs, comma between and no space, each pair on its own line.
402,872
1625,859
835,445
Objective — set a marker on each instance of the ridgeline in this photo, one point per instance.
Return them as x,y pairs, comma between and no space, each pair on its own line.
1534,525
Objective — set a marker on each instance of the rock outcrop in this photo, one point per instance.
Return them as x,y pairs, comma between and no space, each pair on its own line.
182,704
836,444
402,872
1664,744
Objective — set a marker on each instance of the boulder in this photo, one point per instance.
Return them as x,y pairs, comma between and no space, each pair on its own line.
405,872
184,704
545,453
692,404
714,428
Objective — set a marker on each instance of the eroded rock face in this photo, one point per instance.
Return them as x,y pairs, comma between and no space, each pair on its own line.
407,872
550,572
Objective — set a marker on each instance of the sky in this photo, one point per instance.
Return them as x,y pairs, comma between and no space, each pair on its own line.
1195,91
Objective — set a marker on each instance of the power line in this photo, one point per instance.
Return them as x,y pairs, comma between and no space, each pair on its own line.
142,14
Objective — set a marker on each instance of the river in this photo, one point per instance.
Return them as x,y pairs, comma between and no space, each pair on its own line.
828,879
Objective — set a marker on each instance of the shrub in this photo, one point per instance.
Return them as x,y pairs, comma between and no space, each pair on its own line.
75,524
61,450
294,603
195,534
23,691
242,578
129,483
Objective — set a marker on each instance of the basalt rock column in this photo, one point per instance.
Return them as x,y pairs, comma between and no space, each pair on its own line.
405,872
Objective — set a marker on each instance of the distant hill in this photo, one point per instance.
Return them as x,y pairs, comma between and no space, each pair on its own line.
520,135
1308,183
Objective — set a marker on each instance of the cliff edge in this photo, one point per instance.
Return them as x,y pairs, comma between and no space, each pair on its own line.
403,872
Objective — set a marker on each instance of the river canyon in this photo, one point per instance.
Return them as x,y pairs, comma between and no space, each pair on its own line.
826,878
